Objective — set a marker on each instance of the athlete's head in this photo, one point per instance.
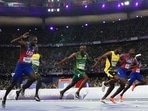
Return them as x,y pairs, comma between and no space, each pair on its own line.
33,40
83,48
131,52
118,50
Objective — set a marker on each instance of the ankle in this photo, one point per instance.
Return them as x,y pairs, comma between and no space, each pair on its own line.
77,92
4,98
36,95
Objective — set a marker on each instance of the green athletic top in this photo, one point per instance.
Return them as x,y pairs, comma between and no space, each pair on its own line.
81,61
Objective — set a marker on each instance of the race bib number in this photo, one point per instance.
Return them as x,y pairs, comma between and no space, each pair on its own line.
127,66
35,62
114,64
138,70
82,66
27,59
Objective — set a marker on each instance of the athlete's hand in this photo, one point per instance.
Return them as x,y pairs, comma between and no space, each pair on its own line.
95,59
25,35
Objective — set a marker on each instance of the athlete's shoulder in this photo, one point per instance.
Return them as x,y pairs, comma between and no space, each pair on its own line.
123,55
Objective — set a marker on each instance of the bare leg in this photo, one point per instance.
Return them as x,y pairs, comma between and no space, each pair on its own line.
111,87
38,86
67,88
122,85
85,79
7,92
32,78
125,89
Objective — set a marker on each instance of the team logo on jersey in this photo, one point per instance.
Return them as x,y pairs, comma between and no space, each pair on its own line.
29,53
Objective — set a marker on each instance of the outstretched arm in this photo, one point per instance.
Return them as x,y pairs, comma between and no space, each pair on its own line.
99,59
19,39
66,59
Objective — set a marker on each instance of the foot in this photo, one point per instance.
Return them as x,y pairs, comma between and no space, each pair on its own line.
17,95
133,86
61,94
103,86
3,103
77,95
112,100
22,92
121,98
103,101
37,98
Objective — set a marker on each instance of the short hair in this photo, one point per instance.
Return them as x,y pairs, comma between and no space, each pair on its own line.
31,37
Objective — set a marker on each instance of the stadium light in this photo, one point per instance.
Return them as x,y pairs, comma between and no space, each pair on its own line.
136,4
103,5
49,10
58,9
86,6
67,6
51,28
126,3
86,25
119,5
52,10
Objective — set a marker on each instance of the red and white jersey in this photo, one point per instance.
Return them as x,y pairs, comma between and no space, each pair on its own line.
26,54
127,60
138,66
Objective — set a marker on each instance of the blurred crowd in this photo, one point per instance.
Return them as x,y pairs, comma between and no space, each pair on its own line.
80,33
120,30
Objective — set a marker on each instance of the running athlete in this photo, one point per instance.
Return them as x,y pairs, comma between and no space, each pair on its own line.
36,60
23,65
134,75
125,61
81,58
112,59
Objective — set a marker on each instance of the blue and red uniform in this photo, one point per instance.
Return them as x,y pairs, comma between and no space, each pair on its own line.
135,74
23,65
126,61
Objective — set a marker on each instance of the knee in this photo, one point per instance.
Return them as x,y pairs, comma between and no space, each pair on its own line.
38,78
72,84
112,85
86,78
35,77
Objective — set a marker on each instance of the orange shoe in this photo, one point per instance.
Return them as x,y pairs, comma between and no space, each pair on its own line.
133,86
121,98
112,100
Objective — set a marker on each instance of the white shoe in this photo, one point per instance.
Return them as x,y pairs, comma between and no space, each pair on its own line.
103,86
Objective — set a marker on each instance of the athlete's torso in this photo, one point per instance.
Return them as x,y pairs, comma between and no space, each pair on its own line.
81,61
111,62
26,53
127,61
138,66
36,59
